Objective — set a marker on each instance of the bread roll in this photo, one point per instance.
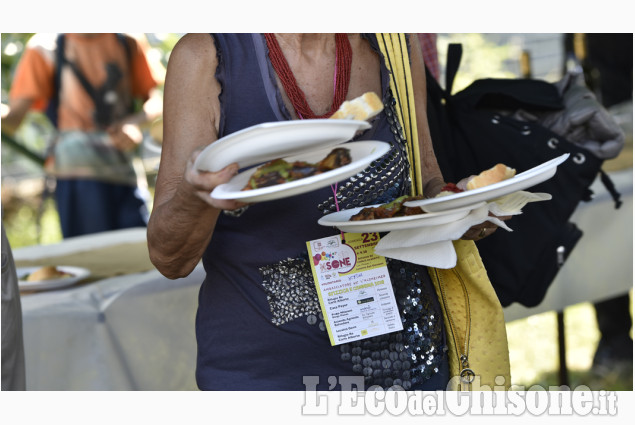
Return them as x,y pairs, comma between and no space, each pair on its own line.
361,108
46,273
497,173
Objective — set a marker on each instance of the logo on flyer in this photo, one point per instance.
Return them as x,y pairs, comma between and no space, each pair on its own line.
323,244
342,261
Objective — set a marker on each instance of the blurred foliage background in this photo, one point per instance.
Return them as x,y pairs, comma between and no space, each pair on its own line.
28,212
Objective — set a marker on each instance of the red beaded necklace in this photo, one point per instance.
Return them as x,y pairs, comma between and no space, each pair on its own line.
342,76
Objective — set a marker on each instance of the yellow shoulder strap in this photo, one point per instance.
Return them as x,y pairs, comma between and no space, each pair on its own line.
394,47
477,337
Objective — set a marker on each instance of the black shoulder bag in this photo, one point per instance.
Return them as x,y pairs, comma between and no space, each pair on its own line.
475,129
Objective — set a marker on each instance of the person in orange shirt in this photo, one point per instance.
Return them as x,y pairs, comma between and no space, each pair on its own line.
88,85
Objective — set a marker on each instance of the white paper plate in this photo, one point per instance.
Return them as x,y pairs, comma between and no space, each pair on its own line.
271,140
362,154
340,220
522,181
78,274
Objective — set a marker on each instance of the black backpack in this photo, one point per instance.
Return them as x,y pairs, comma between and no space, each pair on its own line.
101,96
472,131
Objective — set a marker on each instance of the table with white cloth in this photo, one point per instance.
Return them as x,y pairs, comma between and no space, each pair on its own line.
126,327
129,328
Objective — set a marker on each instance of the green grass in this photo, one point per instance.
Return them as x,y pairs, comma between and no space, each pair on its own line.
533,350
21,225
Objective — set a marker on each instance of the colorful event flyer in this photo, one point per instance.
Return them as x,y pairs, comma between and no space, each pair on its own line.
353,287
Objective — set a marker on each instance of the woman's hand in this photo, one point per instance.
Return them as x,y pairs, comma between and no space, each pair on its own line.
484,229
200,184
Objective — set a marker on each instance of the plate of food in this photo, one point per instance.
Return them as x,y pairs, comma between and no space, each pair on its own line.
489,185
289,176
267,141
391,216
49,277
271,140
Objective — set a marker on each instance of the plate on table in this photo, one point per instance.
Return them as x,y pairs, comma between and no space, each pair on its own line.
340,220
362,154
522,181
264,142
76,274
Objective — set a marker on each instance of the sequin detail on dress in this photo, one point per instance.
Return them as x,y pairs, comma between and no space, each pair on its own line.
405,358
290,290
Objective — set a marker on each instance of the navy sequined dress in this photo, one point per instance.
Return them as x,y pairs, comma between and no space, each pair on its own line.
259,325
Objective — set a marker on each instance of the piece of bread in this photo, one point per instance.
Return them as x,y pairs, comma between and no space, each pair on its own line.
361,108
46,273
496,174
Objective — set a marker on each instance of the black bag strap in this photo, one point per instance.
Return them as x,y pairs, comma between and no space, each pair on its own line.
53,105
92,92
126,45
455,52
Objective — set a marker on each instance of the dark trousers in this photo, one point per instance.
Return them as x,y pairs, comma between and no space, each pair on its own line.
88,206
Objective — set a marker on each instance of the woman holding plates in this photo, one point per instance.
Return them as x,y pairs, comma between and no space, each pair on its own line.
259,325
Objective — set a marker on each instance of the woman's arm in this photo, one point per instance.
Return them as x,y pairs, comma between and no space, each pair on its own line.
431,173
432,177
184,215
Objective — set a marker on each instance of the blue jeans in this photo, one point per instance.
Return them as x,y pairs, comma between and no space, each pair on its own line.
89,206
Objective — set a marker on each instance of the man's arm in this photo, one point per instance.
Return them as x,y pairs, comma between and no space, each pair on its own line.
126,134
13,114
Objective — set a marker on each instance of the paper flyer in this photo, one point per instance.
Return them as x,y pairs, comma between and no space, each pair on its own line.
353,287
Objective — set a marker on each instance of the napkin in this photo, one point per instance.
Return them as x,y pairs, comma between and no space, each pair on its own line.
432,245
